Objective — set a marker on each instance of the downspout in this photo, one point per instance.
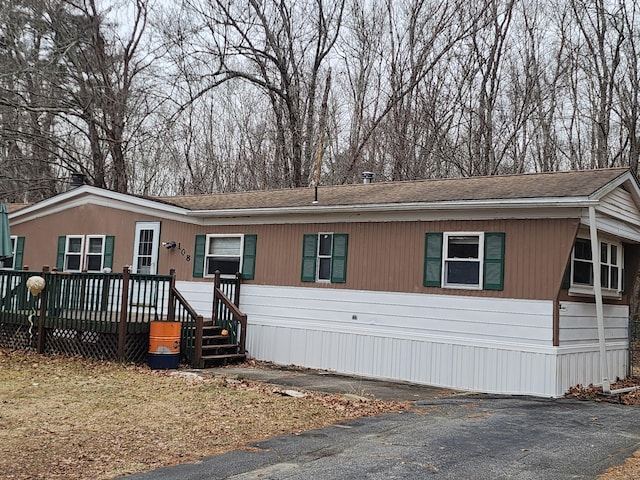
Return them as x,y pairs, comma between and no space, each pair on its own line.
597,290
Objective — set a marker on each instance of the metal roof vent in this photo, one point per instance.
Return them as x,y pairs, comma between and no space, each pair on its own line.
76,180
367,177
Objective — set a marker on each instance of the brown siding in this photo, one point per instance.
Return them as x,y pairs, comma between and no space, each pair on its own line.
383,256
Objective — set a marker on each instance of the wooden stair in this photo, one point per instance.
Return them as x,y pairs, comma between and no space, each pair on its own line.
216,348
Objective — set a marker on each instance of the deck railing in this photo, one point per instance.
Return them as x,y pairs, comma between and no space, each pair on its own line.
97,315
107,315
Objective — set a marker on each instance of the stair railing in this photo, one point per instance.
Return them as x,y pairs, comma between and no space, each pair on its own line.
192,324
227,314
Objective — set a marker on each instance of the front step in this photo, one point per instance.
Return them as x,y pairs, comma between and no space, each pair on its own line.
216,349
220,360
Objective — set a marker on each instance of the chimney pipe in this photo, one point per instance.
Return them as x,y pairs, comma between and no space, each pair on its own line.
367,177
76,180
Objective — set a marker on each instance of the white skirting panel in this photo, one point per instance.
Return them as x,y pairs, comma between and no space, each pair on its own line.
581,365
468,343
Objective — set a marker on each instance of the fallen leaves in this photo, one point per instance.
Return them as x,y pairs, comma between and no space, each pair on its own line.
98,420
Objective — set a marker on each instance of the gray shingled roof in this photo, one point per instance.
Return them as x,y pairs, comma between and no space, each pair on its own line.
526,186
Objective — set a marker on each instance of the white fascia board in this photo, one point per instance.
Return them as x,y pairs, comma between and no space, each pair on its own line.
626,178
88,195
471,209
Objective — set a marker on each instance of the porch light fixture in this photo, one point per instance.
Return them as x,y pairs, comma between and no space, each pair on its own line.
169,245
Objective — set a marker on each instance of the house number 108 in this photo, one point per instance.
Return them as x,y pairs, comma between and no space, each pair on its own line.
184,253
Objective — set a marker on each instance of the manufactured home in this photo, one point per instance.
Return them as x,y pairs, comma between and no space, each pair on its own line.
508,284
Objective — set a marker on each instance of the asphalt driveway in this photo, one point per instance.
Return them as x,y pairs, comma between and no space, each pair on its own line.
463,437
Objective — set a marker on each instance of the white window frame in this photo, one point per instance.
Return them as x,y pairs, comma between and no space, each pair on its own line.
14,243
67,253
579,289
88,239
320,257
207,255
479,260
84,252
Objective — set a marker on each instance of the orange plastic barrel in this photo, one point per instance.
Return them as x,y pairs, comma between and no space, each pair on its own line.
164,344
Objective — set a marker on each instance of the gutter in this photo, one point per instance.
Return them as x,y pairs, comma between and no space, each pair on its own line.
582,202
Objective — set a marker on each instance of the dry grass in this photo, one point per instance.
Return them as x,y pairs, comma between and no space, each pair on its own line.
67,418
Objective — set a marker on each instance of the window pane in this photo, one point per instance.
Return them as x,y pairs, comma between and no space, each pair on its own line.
582,249
614,255
144,265
75,245
94,263
324,270
463,273
325,245
145,242
73,262
604,252
95,245
463,247
227,266
224,246
614,278
582,273
604,276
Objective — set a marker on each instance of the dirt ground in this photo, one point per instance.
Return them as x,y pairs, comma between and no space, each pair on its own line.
70,418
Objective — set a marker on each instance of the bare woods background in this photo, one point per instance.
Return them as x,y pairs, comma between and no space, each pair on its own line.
194,96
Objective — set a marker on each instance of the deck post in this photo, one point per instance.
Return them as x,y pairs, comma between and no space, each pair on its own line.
171,313
197,354
243,334
122,324
236,291
216,300
44,299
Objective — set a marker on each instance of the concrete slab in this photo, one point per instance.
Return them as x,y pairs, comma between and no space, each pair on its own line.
324,381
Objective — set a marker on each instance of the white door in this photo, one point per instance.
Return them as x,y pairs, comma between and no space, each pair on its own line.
145,248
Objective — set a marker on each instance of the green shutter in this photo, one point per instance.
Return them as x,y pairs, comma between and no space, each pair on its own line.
339,258
309,256
17,260
249,257
62,245
493,261
109,242
198,256
432,259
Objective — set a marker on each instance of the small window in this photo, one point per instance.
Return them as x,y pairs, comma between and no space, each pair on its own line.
324,257
224,253
95,254
92,253
7,263
463,260
582,271
325,243
73,254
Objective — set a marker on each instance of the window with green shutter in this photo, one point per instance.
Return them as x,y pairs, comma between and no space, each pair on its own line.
324,257
227,253
17,250
464,260
92,253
